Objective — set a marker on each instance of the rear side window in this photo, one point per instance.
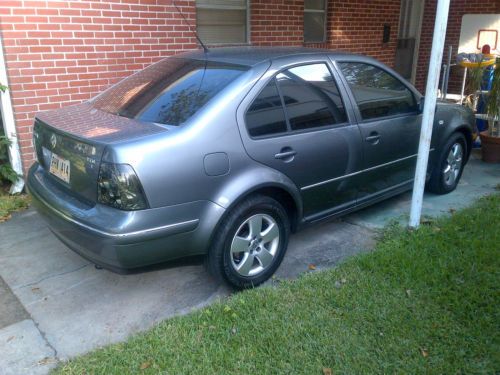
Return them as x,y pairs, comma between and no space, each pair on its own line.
168,92
377,93
311,96
266,116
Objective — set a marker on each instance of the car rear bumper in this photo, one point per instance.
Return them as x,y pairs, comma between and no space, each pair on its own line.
123,240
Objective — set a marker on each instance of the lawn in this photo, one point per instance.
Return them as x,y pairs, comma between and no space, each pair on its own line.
424,301
11,203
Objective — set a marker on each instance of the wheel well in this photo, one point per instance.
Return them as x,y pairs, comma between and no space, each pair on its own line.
468,138
284,198
280,194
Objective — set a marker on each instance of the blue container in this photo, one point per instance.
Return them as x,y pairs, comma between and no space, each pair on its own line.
482,125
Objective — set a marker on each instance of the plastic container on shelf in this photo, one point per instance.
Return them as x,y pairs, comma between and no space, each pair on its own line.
484,60
476,60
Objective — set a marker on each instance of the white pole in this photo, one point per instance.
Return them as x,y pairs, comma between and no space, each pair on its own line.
441,22
462,91
447,76
10,126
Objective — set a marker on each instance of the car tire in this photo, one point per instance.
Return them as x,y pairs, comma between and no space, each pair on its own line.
250,242
449,166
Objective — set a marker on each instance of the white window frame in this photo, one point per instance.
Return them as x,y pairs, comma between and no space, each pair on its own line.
230,7
325,12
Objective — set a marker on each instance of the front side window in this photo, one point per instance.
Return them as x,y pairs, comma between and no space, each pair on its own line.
168,92
315,21
222,21
377,93
311,97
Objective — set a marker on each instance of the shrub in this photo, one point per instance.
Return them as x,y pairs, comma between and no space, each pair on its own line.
7,174
6,171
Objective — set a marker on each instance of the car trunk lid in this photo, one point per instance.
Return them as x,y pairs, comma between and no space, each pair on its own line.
70,142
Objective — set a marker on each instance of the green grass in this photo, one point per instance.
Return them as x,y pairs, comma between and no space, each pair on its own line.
424,301
11,203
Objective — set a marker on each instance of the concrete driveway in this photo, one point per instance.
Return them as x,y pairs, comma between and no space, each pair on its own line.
56,305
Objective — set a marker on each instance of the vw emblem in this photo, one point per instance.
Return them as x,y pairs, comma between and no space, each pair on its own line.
53,141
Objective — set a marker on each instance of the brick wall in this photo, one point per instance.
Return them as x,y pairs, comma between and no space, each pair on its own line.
357,26
457,9
63,52
277,22
353,25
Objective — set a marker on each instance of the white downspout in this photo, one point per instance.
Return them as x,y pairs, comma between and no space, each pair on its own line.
439,36
9,125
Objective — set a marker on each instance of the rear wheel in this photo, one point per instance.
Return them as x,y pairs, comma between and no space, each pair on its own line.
250,243
450,165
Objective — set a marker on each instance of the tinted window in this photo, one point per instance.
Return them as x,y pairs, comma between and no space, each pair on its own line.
168,92
311,97
265,115
377,93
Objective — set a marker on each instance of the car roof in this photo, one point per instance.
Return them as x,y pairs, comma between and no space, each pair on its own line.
251,56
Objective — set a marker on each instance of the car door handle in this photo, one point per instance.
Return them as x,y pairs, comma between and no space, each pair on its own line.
286,154
373,138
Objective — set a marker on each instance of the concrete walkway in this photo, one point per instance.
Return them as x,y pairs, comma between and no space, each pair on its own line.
55,305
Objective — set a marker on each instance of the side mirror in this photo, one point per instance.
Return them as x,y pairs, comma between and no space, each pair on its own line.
421,104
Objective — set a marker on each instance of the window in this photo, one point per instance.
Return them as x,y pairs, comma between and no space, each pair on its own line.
311,97
222,21
265,116
315,21
168,92
377,93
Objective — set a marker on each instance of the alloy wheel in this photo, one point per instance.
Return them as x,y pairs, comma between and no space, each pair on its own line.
255,244
453,164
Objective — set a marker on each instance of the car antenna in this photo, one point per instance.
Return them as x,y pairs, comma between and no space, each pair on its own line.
205,49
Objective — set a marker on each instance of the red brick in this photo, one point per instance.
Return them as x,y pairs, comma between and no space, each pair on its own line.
19,35
23,11
37,100
49,26
43,64
40,49
34,86
38,34
12,3
47,12
36,19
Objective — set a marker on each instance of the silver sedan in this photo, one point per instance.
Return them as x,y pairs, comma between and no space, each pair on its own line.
226,153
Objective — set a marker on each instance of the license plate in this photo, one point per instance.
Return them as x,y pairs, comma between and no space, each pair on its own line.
59,167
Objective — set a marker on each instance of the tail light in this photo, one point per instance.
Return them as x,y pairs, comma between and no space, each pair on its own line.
118,186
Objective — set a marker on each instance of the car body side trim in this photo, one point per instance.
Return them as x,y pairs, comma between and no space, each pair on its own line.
184,226
358,172
386,193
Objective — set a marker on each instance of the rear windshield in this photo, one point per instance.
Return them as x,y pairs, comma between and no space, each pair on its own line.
168,92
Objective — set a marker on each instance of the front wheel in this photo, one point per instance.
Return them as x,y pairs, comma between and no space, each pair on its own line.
450,165
250,242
